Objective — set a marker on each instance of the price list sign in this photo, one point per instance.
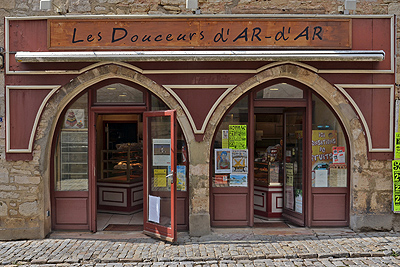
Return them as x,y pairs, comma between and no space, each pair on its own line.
396,185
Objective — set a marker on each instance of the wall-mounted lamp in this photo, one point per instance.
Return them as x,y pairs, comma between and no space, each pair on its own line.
349,5
45,4
193,5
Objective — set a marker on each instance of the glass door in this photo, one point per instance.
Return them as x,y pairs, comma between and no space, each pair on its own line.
294,196
159,136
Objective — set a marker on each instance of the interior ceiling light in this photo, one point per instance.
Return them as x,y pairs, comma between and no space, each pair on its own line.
111,88
273,89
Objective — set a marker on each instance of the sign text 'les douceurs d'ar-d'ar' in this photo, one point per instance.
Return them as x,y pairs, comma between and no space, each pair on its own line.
198,33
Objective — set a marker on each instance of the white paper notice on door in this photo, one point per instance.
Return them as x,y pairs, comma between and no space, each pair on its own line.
154,209
321,178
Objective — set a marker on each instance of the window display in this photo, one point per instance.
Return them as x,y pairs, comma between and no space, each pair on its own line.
329,159
230,149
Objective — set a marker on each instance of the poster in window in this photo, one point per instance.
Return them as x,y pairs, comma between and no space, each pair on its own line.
181,177
239,161
74,119
221,180
323,142
237,137
339,154
223,160
225,137
161,152
236,179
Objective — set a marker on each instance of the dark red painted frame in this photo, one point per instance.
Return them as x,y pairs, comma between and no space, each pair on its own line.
149,228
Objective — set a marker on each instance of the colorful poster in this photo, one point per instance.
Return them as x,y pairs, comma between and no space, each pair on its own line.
221,180
323,142
238,180
160,178
161,152
339,154
181,177
225,138
239,161
396,185
397,146
237,137
74,119
223,160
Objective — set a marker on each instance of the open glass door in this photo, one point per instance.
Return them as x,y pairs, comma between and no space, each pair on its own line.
159,184
294,195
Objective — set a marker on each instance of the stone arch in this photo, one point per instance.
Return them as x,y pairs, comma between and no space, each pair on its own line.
333,97
67,93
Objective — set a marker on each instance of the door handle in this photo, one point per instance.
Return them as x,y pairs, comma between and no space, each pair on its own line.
170,176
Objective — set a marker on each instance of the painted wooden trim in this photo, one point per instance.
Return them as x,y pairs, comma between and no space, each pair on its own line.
53,89
170,88
342,87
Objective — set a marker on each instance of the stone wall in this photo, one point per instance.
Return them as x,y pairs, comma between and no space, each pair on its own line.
23,209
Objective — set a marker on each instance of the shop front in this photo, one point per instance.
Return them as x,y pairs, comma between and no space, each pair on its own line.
197,122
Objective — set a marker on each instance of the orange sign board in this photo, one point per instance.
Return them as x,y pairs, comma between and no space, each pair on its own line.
198,33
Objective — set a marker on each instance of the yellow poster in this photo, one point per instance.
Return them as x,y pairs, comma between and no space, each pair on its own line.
396,185
160,179
237,137
397,146
322,143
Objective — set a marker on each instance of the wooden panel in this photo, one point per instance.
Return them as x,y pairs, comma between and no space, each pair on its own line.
381,41
329,207
199,102
375,107
24,105
230,207
71,211
181,211
198,33
380,118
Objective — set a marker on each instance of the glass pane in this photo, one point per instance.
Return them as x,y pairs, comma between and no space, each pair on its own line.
268,160
280,90
121,156
294,162
329,147
159,184
230,156
119,93
72,149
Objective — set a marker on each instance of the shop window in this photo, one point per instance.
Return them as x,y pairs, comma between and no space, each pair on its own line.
119,93
329,148
230,151
71,156
280,90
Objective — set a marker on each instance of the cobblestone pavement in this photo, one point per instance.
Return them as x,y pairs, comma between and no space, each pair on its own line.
225,247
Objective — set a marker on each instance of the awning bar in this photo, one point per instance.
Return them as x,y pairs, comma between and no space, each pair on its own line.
258,55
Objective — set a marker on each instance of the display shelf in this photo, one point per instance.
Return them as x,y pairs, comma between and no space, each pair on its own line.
74,154
125,162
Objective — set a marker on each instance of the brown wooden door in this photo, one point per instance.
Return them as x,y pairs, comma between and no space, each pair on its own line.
294,166
159,183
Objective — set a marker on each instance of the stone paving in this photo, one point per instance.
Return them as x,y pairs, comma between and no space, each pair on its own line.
225,247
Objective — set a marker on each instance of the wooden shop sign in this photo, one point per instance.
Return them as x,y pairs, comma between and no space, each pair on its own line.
198,33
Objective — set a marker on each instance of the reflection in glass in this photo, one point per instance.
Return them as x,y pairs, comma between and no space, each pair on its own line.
119,93
280,90
329,148
159,185
294,162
